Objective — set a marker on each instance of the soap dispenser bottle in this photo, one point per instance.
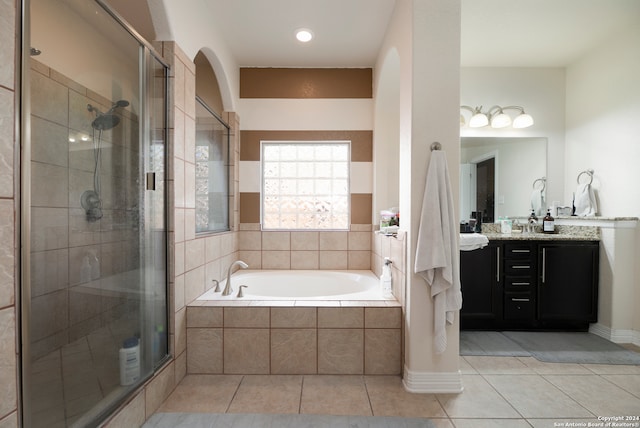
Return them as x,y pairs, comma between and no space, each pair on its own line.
386,280
548,223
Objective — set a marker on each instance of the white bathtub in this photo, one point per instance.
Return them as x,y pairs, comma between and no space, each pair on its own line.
301,285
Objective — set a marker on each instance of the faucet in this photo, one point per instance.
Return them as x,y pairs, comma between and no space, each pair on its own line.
227,288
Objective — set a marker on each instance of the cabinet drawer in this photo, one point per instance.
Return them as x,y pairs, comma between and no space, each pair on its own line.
519,267
518,306
519,251
516,282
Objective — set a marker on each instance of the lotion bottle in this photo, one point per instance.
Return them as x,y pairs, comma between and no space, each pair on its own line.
130,361
548,223
386,280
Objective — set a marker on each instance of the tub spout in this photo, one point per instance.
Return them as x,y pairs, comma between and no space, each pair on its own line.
227,287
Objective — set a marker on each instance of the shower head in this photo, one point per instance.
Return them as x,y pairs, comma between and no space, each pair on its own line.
105,121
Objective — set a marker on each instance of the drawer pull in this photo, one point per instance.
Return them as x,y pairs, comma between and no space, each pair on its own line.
513,299
520,283
544,264
521,267
520,251
498,264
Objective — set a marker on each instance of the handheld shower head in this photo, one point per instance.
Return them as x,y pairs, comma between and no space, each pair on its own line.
118,104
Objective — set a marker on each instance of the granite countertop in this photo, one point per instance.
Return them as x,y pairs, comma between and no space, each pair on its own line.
596,218
563,233
540,237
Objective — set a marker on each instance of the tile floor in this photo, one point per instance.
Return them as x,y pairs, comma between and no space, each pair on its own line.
508,392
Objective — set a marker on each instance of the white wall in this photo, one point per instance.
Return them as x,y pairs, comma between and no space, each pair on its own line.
603,133
183,22
603,123
306,114
541,91
386,139
419,31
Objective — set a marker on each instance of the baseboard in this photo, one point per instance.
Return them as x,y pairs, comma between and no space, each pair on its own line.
432,382
616,335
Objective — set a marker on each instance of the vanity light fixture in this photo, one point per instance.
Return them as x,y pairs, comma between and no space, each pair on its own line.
496,117
304,35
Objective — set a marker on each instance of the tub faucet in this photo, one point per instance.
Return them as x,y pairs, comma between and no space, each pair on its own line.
227,287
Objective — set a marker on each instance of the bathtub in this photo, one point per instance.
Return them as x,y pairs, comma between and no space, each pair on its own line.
293,322
301,285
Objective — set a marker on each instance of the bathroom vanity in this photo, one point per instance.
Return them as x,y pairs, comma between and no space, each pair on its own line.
531,282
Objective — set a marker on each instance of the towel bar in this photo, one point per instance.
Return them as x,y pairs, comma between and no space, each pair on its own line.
589,172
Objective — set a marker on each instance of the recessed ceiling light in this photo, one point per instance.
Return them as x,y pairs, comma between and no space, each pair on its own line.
304,35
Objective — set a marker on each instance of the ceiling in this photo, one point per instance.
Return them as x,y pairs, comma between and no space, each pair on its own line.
349,33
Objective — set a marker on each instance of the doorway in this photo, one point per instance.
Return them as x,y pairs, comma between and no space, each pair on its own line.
485,189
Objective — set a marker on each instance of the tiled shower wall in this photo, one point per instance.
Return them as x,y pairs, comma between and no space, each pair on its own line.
194,260
66,303
8,219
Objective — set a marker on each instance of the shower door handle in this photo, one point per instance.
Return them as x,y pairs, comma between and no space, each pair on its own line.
151,181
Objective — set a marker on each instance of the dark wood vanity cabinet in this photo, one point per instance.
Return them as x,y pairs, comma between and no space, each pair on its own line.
522,285
568,283
480,281
519,283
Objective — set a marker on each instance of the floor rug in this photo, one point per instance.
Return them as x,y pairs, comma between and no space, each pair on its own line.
489,343
550,347
568,347
229,420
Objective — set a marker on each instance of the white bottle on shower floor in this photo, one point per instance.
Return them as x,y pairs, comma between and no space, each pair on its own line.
130,361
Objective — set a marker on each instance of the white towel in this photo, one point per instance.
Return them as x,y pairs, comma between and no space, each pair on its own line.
472,241
585,200
437,250
537,201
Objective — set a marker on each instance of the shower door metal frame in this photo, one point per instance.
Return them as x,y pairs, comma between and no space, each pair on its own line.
22,192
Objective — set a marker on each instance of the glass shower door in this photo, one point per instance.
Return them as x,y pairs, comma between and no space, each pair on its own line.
94,299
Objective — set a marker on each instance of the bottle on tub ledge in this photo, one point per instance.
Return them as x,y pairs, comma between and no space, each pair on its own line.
386,280
548,223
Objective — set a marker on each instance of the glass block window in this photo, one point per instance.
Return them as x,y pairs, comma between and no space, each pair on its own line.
305,185
212,171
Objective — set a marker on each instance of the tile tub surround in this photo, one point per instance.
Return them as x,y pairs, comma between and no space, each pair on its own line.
331,337
325,250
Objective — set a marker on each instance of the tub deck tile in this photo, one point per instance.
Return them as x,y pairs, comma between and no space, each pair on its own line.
273,303
318,303
363,303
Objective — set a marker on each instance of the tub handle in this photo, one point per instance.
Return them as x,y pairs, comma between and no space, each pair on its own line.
240,291
217,283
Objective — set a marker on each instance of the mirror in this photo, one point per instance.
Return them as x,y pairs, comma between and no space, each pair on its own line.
497,175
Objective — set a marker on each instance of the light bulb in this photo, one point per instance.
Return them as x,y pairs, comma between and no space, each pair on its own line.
522,121
478,120
304,35
501,120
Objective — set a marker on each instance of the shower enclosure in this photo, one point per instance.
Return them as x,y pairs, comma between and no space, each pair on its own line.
94,262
